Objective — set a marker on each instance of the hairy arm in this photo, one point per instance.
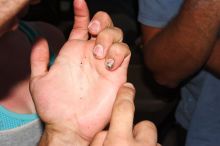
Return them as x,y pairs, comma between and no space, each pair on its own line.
185,45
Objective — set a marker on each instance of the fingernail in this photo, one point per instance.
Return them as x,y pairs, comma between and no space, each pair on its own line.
98,50
94,26
109,63
129,85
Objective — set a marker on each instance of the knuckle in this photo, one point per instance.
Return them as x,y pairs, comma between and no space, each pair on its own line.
103,15
117,50
117,29
117,34
121,48
104,35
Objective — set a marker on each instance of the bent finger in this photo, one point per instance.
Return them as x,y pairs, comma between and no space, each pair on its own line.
123,113
105,39
116,55
39,58
145,132
99,22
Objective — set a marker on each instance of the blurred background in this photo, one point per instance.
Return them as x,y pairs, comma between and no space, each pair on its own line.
153,102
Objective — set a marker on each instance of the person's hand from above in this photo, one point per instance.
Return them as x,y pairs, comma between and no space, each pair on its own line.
121,131
77,92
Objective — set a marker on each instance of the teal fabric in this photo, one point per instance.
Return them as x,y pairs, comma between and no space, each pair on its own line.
32,35
10,120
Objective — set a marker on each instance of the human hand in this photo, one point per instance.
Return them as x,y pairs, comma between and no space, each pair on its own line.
121,131
77,93
108,38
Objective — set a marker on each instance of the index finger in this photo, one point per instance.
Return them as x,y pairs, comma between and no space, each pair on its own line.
121,123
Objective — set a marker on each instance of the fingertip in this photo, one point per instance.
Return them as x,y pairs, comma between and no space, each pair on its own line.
146,128
78,3
127,89
39,47
129,85
117,55
39,57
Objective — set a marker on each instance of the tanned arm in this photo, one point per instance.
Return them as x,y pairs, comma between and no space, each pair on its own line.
185,45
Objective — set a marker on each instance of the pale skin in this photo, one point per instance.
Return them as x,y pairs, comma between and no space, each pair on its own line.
172,55
110,38
78,86
118,51
15,95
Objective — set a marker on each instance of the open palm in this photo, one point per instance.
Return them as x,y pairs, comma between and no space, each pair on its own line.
77,91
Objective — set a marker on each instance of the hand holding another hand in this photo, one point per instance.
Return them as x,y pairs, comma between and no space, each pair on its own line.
75,96
121,131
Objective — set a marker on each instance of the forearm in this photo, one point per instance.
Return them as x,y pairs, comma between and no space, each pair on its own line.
9,9
54,137
185,45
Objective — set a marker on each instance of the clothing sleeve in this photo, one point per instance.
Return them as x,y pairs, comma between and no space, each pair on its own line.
26,135
204,129
157,13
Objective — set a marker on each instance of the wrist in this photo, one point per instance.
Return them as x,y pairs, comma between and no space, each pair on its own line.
54,136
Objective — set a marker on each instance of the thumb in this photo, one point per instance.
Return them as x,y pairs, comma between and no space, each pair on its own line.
39,58
81,21
145,132
99,139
